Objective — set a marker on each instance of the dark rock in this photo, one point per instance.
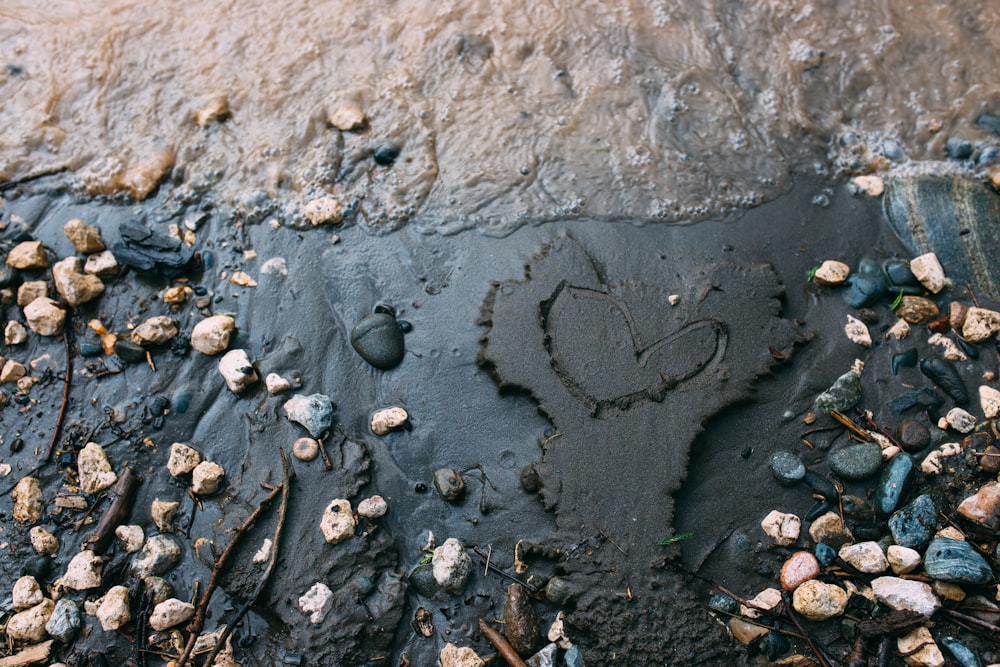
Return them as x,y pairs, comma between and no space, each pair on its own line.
917,309
913,436
90,349
970,350
867,531
956,561
922,397
38,567
773,645
9,276
990,460
854,507
856,462
892,484
825,554
864,291
963,654
989,121
520,622
787,468
449,484
907,358
386,154
818,510
842,395
942,373
958,149
142,248
530,481
422,580
378,338
129,352
723,603
561,590
820,485
899,274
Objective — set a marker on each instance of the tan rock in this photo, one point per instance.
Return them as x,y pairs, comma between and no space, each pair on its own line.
866,557
857,331
832,272
989,399
983,507
211,335
373,508
73,285
870,184
130,538
183,459
85,239
948,591
12,371
782,528
957,313
15,333
928,270
830,530
338,521
767,599
818,601
29,625
94,469
980,324
919,649
206,478
746,632
28,255
163,512
26,593
348,118
42,541
305,449
154,331
83,572
917,309
102,264
112,610
389,419
27,497
276,384
899,331
453,656
949,349
177,294
237,370
214,110
906,595
324,210
903,560
30,290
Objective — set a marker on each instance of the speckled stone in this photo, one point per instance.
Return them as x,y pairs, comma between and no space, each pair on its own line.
787,468
892,484
856,462
914,525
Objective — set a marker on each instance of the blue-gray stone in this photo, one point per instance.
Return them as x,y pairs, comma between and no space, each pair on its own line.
958,149
856,462
544,658
899,274
914,525
65,620
956,561
723,603
181,401
821,485
825,554
573,657
892,483
787,468
90,349
963,654
864,291
314,413
378,338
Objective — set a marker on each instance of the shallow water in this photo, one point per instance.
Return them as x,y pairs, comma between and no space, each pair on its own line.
506,113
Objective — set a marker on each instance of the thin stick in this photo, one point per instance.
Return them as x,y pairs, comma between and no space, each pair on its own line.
862,434
65,394
491,566
502,646
198,623
972,620
275,542
812,646
327,463
121,503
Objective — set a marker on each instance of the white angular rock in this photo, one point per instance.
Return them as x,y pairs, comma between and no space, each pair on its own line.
989,399
29,625
347,117
919,649
211,335
451,566
102,264
94,469
906,595
324,210
160,554
130,537
183,459
338,521
237,370
112,610
857,331
454,656
28,255
276,384
169,613
12,371
373,508
162,512
818,601
899,330
154,331
85,239
15,333
30,290
903,560
45,317
928,270
933,463
767,599
206,478
866,557
26,593
83,572
830,530
27,497
317,601
832,272
960,420
870,184
42,541
782,528
980,324
949,350
73,285
389,419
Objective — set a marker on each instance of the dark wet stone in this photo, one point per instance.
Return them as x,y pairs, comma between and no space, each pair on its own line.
65,620
990,460
854,507
942,373
386,154
899,274
956,561
913,436
561,590
379,340
90,349
9,276
130,352
405,326
38,567
787,468
989,121
893,150
773,645
723,603
530,480
864,291
825,554
449,484
818,510
856,462
867,531
520,622
922,397
892,484
820,485
422,580
970,350
958,149
907,359
142,248
573,657
181,401
963,654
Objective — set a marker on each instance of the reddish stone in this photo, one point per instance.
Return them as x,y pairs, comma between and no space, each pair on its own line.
798,569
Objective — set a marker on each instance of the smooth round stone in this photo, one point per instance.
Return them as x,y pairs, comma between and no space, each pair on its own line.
723,603
825,554
378,338
798,569
38,567
386,154
787,468
866,287
913,436
914,525
956,561
90,349
773,645
449,484
963,654
899,273
422,580
892,484
9,276
130,352
856,462
305,449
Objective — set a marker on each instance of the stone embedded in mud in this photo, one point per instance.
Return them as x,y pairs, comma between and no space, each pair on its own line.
147,250
130,538
154,331
85,239
830,530
451,566
857,332
388,419
73,285
160,554
373,508
989,399
744,632
313,412
276,384
928,270
101,264
15,333
984,506
45,317
787,468
317,602
42,541
83,571
324,210
162,512
28,255
520,622
906,595
112,610
129,352
237,370
378,338
832,272
818,601
305,449
866,557
26,593
347,118
919,649
960,420
157,588
65,620
206,478
453,656
900,330
980,324
782,528
798,569
449,484
338,522
216,109
871,185
94,469
956,561
169,613
27,497
183,459
29,625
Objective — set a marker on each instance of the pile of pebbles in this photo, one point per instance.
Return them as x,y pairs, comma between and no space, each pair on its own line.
899,559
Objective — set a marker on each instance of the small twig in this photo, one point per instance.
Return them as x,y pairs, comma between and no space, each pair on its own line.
502,646
117,512
491,566
812,646
972,620
608,538
34,176
861,434
488,556
65,392
327,463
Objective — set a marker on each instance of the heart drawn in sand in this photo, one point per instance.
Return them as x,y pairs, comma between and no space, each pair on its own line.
602,359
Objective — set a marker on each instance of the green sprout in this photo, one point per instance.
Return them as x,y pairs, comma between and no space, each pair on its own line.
675,539
898,300
812,273
426,559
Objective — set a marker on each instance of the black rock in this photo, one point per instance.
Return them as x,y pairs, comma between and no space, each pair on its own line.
914,525
449,484
38,567
820,485
530,481
9,276
956,561
90,349
908,358
378,338
913,436
422,580
892,484
130,352
942,373
989,121
863,291
825,554
923,397
787,468
142,248
958,149
899,274
970,350
386,154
